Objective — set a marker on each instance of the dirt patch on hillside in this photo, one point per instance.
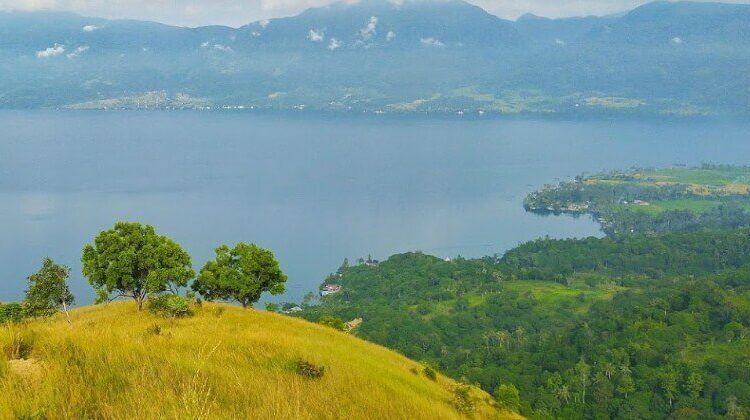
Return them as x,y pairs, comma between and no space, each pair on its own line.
25,368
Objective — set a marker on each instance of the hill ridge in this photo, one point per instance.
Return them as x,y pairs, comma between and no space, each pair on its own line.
224,362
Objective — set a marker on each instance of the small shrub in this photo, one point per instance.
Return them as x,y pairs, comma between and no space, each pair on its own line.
464,402
272,307
70,353
154,330
218,311
430,373
19,346
333,322
308,370
414,370
11,313
508,397
169,306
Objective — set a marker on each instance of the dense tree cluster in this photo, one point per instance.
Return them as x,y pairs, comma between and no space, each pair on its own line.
632,327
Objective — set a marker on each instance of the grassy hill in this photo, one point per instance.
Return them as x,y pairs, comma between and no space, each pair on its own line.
224,362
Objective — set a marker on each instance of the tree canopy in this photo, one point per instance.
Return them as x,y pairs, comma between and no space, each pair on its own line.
47,291
643,326
132,260
241,273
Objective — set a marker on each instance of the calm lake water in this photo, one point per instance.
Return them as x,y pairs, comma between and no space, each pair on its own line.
312,189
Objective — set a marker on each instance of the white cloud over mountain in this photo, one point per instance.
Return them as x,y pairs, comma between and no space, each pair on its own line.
316,35
432,42
334,44
52,51
370,29
78,51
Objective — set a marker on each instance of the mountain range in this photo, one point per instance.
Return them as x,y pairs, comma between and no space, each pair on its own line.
415,56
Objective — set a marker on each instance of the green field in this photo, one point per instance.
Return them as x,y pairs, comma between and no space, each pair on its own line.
693,205
717,176
552,297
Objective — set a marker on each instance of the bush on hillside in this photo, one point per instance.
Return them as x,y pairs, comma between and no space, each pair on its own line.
11,312
430,373
309,370
154,330
169,305
508,397
19,345
464,402
333,322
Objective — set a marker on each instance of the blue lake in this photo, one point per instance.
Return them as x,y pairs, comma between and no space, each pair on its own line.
312,189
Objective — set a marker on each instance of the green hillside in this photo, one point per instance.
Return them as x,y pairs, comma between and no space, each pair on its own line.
637,326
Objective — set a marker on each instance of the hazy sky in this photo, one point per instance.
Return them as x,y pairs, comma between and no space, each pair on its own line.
239,12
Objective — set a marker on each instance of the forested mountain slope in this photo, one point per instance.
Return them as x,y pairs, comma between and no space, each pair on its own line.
583,328
417,56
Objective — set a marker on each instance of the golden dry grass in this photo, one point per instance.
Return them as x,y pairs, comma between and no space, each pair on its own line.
222,363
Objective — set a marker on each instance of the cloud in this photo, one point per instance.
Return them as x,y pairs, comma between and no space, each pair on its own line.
263,23
431,42
217,47
560,42
334,44
390,36
370,30
52,51
78,51
316,35
676,40
224,48
90,28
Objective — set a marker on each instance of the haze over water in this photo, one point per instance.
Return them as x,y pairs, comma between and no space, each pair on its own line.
312,189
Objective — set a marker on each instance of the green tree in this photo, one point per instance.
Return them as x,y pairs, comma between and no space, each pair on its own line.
734,409
608,369
625,385
133,261
332,322
563,393
668,380
11,312
694,385
47,291
583,372
603,391
507,396
733,331
241,273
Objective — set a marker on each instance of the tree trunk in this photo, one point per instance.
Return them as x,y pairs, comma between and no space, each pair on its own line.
139,301
67,315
